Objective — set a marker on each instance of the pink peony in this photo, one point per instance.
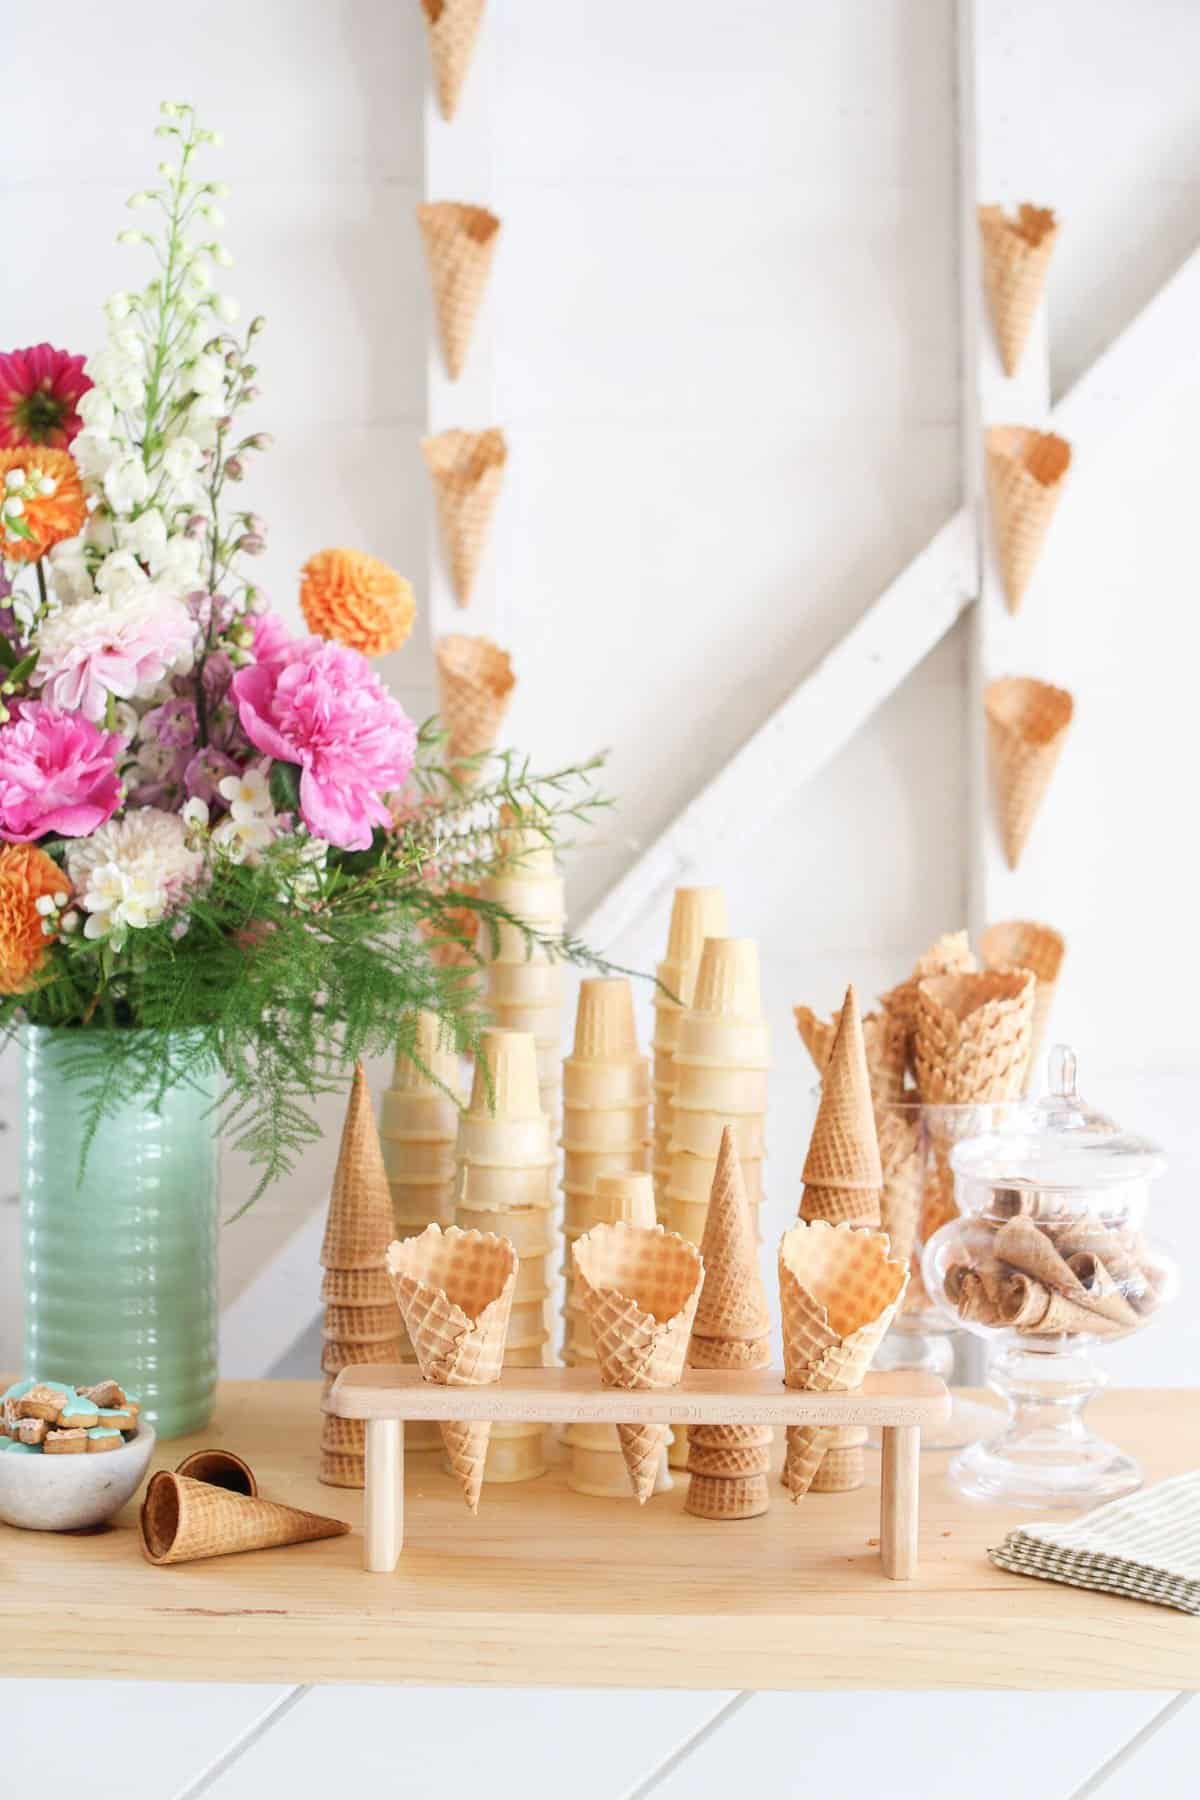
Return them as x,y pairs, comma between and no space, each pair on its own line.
58,773
273,642
326,711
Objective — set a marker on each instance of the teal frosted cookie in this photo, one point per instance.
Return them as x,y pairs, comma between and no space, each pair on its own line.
104,1437
18,1389
78,1413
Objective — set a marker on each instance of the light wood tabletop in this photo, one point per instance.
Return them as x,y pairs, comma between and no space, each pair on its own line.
546,1587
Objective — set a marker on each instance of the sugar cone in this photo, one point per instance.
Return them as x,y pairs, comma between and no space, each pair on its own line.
839,1290
455,1292
732,1301
467,469
475,685
453,27
972,1038
842,1172
639,1289
359,1226
184,1521
1026,474
1016,260
1024,944
460,243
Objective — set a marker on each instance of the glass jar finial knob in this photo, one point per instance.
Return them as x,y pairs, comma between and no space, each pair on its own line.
1064,1073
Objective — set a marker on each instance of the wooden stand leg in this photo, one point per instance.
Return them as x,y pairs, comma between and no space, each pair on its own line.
898,1503
383,1498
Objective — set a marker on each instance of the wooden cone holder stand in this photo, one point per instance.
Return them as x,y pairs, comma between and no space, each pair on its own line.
898,1405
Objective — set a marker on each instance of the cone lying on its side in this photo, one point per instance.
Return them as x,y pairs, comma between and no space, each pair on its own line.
467,468
1023,944
839,1289
639,1289
460,242
973,1035
1027,727
455,1290
453,29
358,1229
183,1520
1026,472
475,681
1016,259
843,1179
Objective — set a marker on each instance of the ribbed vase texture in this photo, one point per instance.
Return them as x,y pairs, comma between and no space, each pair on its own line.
120,1266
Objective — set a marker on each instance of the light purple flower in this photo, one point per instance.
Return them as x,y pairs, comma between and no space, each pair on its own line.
205,771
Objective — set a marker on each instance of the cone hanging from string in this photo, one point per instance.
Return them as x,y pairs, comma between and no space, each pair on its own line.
1016,261
1027,724
453,27
1026,474
460,244
475,682
843,1178
467,470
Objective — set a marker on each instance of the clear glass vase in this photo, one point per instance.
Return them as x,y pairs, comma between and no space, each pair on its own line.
120,1258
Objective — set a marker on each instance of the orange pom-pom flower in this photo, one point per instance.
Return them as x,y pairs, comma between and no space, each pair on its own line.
41,501
357,600
27,875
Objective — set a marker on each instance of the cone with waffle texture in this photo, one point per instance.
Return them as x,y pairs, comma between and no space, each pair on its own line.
950,954
358,1227
639,1289
839,1289
183,1520
1024,944
1016,260
973,1035
884,1042
843,1179
902,1163
455,1290
460,243
1026,472
475,683
453,27
467,471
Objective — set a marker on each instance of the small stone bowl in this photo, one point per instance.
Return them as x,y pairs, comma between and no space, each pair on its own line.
69,1493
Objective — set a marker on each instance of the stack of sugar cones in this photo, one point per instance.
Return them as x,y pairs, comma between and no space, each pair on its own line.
185,1520
505,1163
361,1323
455,1290
419,1131
475,683
460,242
1024,944
523,986
453,27
1026,473
697,913
606,1129
596,1464
1027,724
1016,260
728,1464
640,1287
840,1289
467,470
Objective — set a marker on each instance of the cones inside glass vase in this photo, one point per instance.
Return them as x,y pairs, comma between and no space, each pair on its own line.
453,27
460,243
1027,724
839,1289
475,683
843,1179
639,1289
1016,260
973,1035
467,470
1026,473
455,1292
1024,944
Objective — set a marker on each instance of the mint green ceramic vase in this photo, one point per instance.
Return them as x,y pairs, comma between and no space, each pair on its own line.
120,1266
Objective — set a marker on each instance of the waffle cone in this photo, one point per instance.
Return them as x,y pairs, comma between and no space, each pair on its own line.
453,27
1027,726
843,1467
342,1470
639,1288
460,243
357,1287
885,1043
1016,260
467,470
475,683
343,1437
728,1460
359,1226
732,1301
361,1324
729,1353
718,1497
1024,944
950,954
972,1037
1026,475
184,1521
903,1180
842,1174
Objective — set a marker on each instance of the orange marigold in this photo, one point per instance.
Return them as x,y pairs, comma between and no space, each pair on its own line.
356,599
41,501
26,875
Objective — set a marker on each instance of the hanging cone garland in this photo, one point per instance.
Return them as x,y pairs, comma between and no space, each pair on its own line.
453,29
843,1178
1026,474
358,1229
1016,260
467,469
460,244
455,1291
183,1520
475,681
1027,724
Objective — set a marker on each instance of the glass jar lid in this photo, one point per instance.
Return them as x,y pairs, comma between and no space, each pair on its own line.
1060,1143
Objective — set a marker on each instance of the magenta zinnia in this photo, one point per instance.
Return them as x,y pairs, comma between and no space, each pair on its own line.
40,389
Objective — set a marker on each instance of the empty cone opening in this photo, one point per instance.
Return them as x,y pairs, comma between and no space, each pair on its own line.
219,1468
160,1515
962,995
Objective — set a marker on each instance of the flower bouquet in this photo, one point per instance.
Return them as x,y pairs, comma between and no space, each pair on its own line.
231,864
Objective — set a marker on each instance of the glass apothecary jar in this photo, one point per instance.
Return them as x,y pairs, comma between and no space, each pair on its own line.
1047,1261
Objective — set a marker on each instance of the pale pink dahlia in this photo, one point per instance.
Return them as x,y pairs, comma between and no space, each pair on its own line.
58,773
122,644
327,712
40,389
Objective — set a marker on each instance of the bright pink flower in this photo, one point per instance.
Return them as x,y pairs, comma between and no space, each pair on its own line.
40,388
326,711
273,642
58,773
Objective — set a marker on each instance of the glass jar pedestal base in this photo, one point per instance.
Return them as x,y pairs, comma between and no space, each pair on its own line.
1046,1457
921,1341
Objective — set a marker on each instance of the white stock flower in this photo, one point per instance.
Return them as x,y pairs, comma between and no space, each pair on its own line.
94,452
133,871
146,537
98,533
206,375
248,796
241,840
96,410
178,564
127,484
69,571
228,309
120,573
118,305
181,459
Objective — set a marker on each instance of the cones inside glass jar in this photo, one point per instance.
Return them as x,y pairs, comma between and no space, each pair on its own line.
973,1035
